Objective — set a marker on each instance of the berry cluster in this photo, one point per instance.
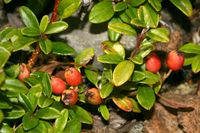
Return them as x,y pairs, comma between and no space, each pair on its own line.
174,61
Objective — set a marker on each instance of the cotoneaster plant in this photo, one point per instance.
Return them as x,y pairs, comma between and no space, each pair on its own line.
33,103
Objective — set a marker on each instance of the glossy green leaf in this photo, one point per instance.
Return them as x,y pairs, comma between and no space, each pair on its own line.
44,23
73,126
25,101
7,33
92,76
30,31
120,6
119,49
184,5
138,76
13,71
106,74
61,121
85,56
28,17
136,2
146,97
101,12
14,85
82,115
196,64
4,56
136,107
122,28
104,111
110,58
106,89
62,48
46,85
45,45
44,101
188,60
123,102
7,1
2,76
15,113
156,4
122,72
48,113
114,36
5,102
29,121
159,34
42,127
1,116
5,128
67,7
190,48
56,27
150,78
137,22
128,86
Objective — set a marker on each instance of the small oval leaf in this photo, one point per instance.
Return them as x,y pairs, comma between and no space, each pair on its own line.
122,72
104,111
48,113
56,27
61,121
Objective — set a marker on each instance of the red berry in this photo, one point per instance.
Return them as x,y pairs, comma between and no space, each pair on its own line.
24,72
73,76
69,97
93,96
58,85
153,63
175,60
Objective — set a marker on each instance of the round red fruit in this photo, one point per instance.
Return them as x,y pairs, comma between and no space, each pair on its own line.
57,85
69,97
153,63
24,72
93,96
175,60
73,76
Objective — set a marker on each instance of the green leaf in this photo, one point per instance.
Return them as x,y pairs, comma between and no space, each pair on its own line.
122,72
92,76
4,56
188,60
122,28
67,7
62,48
15,113
136,2
120,6
85,56
110,58
56,27
146,97
137,59
184,5
150,78
44,101
136,107
192,48
46,85
30,31
104,111
28,17
2,76
119,49
1,116
7,33
14,85
114,36
82,115
24,100
156,4
73,126
44,23
101,12
29,121
45,45
5,102
48,113
42,127
7,1
61,121
138,76
5,128
196,64
159,34
106,89
13,71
